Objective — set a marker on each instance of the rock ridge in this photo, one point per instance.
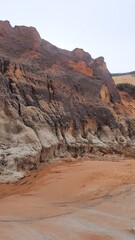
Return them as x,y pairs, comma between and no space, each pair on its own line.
55,103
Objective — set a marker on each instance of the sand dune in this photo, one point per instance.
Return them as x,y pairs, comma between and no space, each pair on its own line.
129,78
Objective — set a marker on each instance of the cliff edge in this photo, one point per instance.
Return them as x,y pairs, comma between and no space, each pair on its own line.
55,103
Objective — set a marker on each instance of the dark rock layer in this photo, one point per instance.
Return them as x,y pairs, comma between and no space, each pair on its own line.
54,102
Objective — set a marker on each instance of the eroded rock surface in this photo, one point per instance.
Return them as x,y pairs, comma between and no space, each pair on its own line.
54,102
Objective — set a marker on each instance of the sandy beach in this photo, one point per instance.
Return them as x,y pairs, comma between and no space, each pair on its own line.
86,199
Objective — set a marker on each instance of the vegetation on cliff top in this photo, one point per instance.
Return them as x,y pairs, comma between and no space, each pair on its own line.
127,87
123,74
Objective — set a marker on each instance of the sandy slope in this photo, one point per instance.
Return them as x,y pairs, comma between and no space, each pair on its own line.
88,199
124,79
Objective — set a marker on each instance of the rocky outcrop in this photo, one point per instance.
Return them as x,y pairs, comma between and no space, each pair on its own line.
54,103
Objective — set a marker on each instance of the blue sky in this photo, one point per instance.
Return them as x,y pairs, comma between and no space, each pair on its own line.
100,27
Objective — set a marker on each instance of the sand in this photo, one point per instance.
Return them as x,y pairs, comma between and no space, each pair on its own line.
87,199
125,79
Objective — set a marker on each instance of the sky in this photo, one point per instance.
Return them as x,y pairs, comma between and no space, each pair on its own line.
101,27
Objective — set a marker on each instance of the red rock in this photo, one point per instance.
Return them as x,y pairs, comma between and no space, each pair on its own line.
49,97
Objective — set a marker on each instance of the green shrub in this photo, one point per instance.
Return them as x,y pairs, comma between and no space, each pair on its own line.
127,87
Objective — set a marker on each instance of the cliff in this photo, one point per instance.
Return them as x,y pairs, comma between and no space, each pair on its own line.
55,103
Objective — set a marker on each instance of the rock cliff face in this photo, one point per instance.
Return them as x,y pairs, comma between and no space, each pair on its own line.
55,102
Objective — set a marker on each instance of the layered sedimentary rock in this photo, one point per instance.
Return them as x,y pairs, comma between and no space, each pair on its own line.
55,102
